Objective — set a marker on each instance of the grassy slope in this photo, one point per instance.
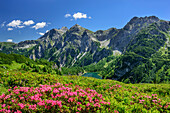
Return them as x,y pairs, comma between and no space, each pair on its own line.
117,93
119,97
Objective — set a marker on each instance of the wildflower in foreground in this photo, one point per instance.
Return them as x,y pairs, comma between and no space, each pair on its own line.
52,98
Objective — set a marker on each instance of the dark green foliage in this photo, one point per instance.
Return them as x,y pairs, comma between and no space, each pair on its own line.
7,59
148,70
25,67
90,58
41,65
7,47
72,71
99,67
143,61
84,61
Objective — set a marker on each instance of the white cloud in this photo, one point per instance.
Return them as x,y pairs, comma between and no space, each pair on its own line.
15,23
46,31
3,24
41,33
89,17
79,15
9,40
10,29
40,25
21,26
29,22
67,15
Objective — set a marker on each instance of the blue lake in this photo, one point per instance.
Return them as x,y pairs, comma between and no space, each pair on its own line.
94,75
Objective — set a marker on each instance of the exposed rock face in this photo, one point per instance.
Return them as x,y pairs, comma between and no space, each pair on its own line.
126,34
63,46
107,34
27,42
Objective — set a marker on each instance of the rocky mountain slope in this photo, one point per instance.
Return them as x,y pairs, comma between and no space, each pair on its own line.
147,56
138,41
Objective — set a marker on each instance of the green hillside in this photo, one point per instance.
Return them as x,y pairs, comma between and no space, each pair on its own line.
147,58
111,95
36,86
15,62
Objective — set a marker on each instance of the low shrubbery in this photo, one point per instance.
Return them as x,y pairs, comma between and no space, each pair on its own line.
33,92
53,98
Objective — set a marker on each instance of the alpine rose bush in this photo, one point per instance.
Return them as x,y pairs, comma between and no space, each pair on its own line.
52,98
150,102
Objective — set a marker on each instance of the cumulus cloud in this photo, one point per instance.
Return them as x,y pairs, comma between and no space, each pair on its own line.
15,23
10,29
46,31
29,22
40,25
9,40
3,24
79,15
41,33
67,15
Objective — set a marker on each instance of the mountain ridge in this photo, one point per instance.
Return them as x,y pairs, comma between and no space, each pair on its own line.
79,46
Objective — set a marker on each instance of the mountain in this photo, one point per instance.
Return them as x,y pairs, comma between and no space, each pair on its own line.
147,55
142,44
67,47
120,40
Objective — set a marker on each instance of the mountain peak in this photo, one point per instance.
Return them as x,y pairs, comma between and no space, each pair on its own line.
64,28
139,22
152,17
76,28
149,18
76,25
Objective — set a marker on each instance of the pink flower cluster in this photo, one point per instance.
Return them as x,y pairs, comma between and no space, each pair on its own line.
114,87
57,97
149,101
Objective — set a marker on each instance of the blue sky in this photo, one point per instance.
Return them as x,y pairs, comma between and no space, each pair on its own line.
28,19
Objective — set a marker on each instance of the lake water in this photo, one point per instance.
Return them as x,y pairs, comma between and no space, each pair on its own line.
94,75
